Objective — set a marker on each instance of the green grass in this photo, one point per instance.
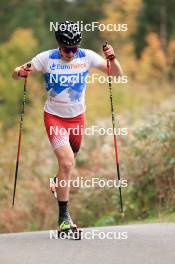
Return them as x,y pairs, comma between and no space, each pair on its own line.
162,218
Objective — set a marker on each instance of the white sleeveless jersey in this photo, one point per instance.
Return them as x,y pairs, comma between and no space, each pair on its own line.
65,82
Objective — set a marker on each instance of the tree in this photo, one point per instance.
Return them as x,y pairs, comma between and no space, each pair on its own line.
155,16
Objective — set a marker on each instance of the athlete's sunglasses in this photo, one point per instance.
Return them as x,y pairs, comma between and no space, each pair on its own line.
70,49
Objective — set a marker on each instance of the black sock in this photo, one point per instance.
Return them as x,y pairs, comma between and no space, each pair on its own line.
63,209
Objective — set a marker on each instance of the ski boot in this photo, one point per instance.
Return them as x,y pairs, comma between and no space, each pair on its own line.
68,230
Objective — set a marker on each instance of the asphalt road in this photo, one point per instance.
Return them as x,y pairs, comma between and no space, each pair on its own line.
138,244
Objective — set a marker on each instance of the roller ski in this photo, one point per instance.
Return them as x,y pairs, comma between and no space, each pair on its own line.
68,230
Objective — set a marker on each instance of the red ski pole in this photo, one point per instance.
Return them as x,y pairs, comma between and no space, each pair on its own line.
20,135
105,47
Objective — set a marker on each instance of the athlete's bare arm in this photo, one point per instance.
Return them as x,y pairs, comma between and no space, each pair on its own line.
116,69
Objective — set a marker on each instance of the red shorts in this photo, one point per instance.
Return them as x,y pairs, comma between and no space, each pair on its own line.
64,131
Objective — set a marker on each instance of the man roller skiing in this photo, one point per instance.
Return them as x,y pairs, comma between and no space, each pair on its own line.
65,71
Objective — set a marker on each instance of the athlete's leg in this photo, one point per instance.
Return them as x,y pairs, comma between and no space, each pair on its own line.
65,158
66,161
75,139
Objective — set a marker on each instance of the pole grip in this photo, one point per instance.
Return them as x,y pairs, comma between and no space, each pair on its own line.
28,66
105,47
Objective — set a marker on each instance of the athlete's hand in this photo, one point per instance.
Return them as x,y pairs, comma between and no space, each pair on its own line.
109,52
24,71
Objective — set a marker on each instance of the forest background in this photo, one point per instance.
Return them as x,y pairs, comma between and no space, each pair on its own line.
145,105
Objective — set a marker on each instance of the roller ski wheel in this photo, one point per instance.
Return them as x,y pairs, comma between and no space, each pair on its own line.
69,232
